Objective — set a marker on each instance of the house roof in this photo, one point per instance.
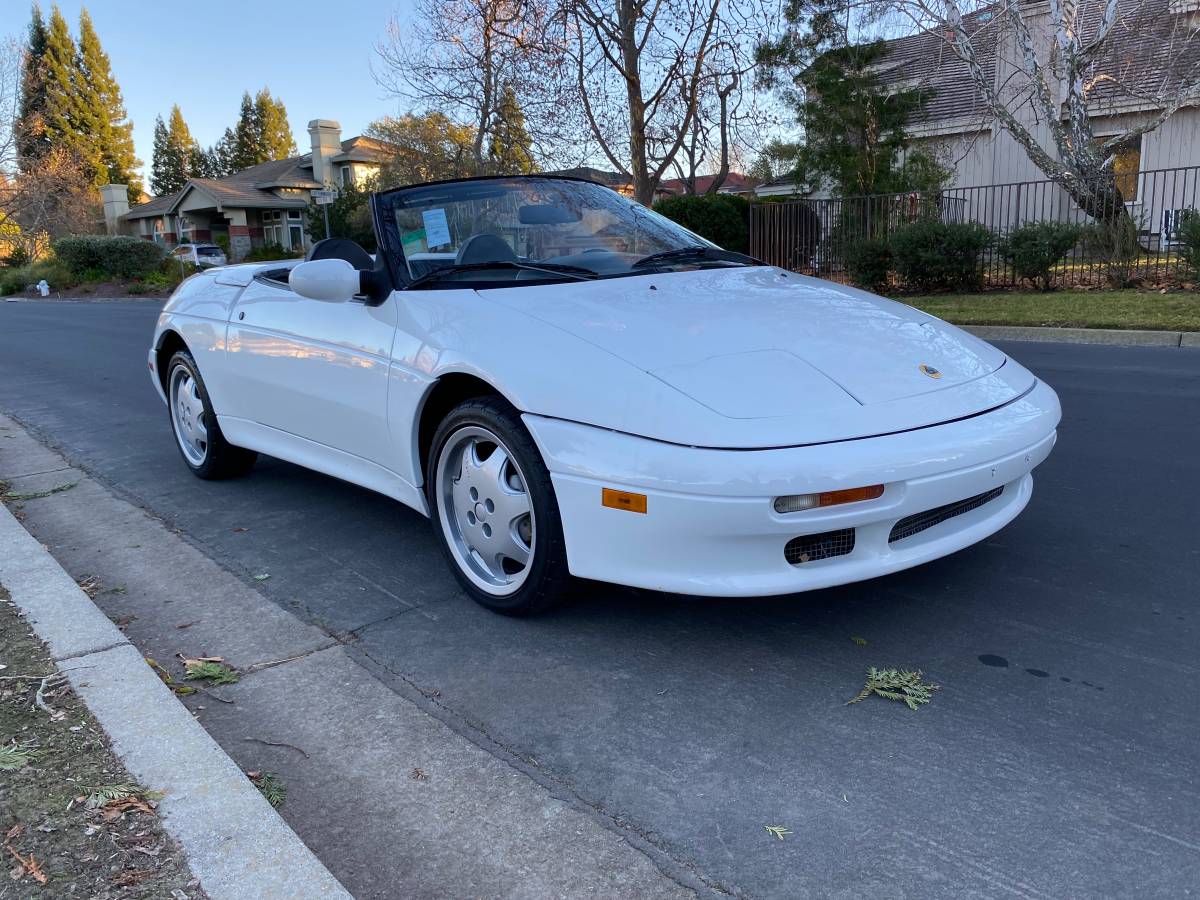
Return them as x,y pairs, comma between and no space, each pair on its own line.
926,59
253,186
153,208
734,182
1149,53
600,176
362,149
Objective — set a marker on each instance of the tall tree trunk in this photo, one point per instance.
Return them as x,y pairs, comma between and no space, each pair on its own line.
643,185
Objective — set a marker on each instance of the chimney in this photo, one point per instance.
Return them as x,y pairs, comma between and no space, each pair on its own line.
116,204
326,137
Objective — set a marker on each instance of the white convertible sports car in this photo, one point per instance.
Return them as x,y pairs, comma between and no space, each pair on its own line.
570,384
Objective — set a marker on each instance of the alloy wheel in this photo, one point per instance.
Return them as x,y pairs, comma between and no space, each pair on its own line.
485,510
188,416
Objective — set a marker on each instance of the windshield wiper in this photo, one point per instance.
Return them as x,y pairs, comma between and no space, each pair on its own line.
697,252
577,272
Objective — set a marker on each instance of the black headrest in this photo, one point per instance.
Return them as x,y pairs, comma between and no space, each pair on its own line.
484,248
342,248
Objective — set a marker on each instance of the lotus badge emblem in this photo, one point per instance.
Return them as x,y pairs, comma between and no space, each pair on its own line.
930,371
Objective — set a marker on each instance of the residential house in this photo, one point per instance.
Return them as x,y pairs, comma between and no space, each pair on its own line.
262,205
735,183
1152,50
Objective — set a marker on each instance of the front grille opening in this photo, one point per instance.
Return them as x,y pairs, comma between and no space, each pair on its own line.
915,524
811,547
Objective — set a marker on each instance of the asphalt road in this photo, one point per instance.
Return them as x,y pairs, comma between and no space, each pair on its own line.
1059,758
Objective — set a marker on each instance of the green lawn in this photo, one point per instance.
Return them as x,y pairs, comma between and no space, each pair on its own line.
1074,309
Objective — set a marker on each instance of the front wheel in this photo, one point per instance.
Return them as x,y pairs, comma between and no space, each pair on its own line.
494,510
197,433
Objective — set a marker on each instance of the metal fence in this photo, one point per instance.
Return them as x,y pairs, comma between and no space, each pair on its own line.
813,236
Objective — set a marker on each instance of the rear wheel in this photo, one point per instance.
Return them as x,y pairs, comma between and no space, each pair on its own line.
494,511
197,433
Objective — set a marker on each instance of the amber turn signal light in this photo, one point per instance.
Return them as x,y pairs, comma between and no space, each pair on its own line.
797,502
626,500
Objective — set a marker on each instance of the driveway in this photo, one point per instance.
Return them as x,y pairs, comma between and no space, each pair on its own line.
1057,760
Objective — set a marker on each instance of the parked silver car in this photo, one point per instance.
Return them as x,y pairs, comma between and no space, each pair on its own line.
203,256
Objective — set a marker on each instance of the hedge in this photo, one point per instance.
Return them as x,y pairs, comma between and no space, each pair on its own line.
723,219
1034,249
931,255
113,256
868,263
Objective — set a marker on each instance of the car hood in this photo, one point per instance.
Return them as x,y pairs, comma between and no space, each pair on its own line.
782,358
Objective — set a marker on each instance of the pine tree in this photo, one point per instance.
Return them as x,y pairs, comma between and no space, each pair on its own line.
222,155
509,152
68,100
30,126
177,156
201,163
275,133
160,160
105,107
247,137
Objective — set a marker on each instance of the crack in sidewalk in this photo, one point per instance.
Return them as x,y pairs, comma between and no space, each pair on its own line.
79,654
558,786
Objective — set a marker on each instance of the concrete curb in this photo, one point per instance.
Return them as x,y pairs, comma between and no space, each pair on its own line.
1117,337
236,843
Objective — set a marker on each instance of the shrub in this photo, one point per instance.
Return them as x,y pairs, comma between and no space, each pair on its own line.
721,218
1189,239
1116,246
1033,250
56,274
270,253
116,256
868,263
932,255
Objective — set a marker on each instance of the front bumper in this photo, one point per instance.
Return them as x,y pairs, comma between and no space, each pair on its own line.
710,527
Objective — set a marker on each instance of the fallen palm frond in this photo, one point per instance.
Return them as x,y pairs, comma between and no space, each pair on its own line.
896,684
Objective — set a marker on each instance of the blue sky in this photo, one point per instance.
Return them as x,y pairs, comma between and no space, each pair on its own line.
315,56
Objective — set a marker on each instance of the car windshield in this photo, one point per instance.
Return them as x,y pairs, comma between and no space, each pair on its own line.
533,229
209,251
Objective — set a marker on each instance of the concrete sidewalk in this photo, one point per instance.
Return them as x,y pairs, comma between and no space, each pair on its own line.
392,799
1117,337
236,844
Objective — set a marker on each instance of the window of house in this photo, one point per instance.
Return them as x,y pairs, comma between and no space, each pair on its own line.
347,179
1126,167
293,214
295,237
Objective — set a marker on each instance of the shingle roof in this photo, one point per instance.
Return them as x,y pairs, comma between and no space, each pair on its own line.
1149,53
153,208
734,181
927,60
251,187
362,149
600,176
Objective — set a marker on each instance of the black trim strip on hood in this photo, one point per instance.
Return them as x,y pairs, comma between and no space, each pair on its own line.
864,437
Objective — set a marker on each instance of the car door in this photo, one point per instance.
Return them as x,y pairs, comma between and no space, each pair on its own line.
312,370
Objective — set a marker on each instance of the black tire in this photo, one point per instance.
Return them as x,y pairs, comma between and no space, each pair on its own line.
547,579
220,458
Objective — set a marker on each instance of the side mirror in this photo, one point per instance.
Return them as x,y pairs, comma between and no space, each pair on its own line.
330,280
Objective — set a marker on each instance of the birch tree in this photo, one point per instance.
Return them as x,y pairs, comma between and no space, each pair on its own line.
1054,75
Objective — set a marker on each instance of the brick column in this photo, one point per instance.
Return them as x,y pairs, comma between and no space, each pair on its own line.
239,242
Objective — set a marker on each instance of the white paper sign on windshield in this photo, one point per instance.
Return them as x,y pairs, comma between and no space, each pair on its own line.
437,230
